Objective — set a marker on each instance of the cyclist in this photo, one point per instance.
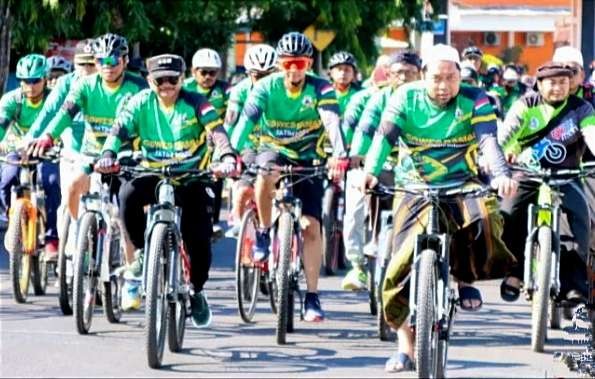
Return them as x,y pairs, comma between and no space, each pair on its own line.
259,61
59,66
470,77
404,67
84,64
171,125
472,56
206,67
343,73
549,127
18,110
293,109
97,97
513,88
440,125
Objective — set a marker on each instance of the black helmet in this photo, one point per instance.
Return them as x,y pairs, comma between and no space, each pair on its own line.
407,56
110,44
294,44
342,57
472,50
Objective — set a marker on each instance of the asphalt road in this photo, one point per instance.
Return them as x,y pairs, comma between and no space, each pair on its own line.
37,341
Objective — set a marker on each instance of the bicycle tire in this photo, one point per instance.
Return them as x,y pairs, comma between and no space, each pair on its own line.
555,313
247,276
65,290
285,234
112,295
372,290
20,263
83,296
176,318
329,245
426,337
155,317
40,266
541,297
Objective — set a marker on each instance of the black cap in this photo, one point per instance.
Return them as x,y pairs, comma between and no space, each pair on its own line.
408,57
166,65
551,69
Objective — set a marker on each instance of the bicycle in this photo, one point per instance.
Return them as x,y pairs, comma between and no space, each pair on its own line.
432,301
99,257
333,210
285,261
541,276
250,275
166,265
25,236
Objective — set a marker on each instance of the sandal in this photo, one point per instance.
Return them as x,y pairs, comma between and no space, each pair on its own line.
507,292
469,293
399,362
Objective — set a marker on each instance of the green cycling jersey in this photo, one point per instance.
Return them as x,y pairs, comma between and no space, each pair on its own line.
354,110
439,144
217,95
174,136
99,106
292,124
17,114
369,121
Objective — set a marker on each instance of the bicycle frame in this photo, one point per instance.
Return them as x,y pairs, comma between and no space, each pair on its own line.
31,193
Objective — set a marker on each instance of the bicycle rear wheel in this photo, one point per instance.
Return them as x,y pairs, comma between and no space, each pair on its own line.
20,262
112,290
64,281
176,320
85,273
541,296
247,274
426,334
330,252
156,308
40,267
285,234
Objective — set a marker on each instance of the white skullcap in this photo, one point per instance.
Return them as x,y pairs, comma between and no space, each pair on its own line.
441,52
510,74
566,54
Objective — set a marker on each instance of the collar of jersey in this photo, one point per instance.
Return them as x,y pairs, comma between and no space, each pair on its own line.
292,95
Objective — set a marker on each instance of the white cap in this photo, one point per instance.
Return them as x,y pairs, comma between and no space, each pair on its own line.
567,54
510,74
206,58
441,52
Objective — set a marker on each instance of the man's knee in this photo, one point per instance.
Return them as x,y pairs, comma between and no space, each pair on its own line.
311,229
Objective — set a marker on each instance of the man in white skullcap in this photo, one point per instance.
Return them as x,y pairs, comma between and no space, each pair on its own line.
572,57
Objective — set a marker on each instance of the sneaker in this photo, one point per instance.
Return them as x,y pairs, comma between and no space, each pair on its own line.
201,313
131,299
233,232
261,248
355,280
135,269
313,311
51,250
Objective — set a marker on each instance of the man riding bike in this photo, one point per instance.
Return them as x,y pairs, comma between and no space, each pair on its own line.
293,110
404,67
97,97
440,126
551,128
59,66
72,138
342,71
18,110
260,61
171,126
206,67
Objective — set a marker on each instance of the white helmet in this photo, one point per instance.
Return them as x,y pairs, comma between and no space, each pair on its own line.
206,58
261,58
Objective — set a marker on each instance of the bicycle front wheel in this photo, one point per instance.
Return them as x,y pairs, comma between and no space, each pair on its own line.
285,234
20,262
330,253
541,296
247,274
112,290
85,273
426,333
156,308
176,319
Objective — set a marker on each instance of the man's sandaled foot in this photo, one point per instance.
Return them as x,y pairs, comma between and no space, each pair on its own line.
399,362
469,298
510,289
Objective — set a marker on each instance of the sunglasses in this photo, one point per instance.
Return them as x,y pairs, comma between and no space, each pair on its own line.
259,75
208,72
173,80
85,64
300,64
108,61
31,81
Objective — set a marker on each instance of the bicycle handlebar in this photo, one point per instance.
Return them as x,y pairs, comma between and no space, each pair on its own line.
429,191
541,175
52,155
289,169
